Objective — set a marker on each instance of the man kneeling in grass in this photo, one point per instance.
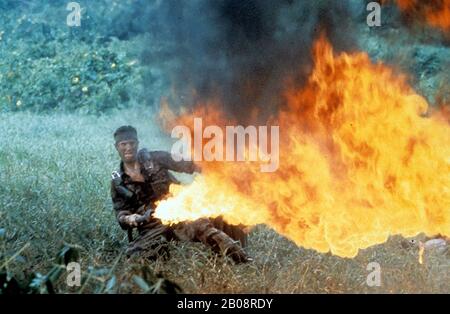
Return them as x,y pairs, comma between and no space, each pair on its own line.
143,179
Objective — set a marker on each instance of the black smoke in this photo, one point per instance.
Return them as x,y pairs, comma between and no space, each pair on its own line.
240,51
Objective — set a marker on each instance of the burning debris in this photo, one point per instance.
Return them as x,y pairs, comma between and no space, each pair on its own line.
362,157
435,245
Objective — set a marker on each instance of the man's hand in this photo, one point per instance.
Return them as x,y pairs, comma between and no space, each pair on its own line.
133,220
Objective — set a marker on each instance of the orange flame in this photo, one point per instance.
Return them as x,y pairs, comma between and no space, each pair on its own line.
359,162
436,12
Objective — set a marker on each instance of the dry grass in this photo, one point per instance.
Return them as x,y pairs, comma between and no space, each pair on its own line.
54,174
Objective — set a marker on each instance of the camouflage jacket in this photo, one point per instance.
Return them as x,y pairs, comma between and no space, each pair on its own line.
130,197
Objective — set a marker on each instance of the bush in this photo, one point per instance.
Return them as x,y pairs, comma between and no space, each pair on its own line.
47,66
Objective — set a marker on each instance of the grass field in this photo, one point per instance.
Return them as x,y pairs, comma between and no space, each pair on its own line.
55,175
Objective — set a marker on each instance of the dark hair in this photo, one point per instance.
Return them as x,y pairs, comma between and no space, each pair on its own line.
125,132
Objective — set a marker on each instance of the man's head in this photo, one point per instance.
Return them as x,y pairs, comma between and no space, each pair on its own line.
126,143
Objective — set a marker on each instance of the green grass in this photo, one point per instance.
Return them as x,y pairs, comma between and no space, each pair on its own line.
54,174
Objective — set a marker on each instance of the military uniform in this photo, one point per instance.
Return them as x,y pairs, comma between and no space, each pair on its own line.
131,197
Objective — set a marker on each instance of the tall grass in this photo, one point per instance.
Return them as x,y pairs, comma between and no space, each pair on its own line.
54,189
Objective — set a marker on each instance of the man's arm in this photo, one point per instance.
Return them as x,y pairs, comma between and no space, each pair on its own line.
165,159
123,211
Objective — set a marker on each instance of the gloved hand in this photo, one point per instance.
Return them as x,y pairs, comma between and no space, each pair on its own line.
133,220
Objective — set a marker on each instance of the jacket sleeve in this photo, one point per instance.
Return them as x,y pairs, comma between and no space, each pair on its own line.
165,159
120,206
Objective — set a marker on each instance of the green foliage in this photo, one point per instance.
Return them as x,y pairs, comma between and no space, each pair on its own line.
46,66
148,282
9,285
76,80
39,283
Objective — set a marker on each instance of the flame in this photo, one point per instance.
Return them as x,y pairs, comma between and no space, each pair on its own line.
359,161
421,252
436,12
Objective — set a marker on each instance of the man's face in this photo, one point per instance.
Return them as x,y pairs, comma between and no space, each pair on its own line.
127,150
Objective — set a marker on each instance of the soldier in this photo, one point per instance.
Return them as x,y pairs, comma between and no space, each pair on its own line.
142,180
